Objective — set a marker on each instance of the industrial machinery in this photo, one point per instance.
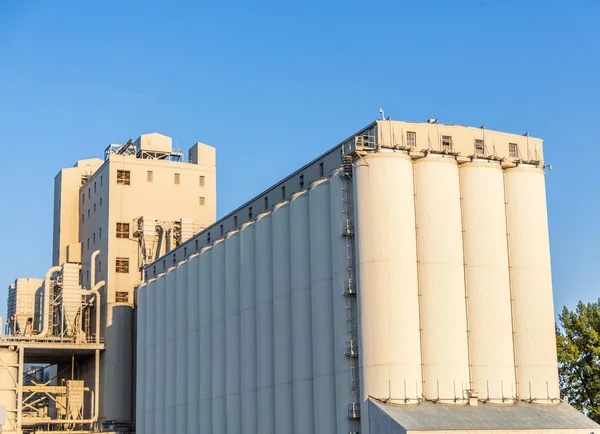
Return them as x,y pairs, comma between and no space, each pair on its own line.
52,341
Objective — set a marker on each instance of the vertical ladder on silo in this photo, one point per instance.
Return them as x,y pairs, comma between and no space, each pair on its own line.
347,232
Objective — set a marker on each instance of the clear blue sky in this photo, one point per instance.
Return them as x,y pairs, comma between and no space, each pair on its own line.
273,84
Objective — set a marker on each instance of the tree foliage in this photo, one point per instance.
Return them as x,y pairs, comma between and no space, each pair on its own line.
578,343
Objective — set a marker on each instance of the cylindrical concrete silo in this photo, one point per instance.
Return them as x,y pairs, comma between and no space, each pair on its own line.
441,279
232,332
282,320
219,411
193,344
160,353
387,280
531,284
487,281
249,409
301,315
264,323
205,314
340,195
171,359
181,348
140,382
322,308
9,373
151,377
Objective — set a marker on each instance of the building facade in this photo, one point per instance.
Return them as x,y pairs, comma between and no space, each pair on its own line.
408,267
111,218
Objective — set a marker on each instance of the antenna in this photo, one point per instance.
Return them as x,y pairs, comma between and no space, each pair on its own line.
382,114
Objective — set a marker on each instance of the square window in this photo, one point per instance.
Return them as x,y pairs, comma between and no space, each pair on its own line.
150,176
201,180
123,177
411,139
446,143
513,150
177,178
202,200
479,147
121,297
122,230
122,265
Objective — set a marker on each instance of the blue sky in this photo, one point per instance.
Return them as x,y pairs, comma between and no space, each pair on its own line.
273,84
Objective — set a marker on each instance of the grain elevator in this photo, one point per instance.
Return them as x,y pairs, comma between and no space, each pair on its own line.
398,283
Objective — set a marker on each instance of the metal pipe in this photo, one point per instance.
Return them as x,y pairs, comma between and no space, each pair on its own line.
96,291
93,268
96,387
45,318
20,389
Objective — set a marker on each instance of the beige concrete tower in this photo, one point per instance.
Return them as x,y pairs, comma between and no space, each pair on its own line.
140,202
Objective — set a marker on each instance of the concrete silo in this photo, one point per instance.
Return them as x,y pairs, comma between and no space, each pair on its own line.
487,281
219,409
181,346
282,319
232,332
322,308
249,410
140,382
531,284
205,314
264,322
160,355
171,356
193,344
441,279
343,293
388,303
302,367
150,348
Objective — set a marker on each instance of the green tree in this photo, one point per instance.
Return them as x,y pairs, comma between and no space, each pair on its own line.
578,343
